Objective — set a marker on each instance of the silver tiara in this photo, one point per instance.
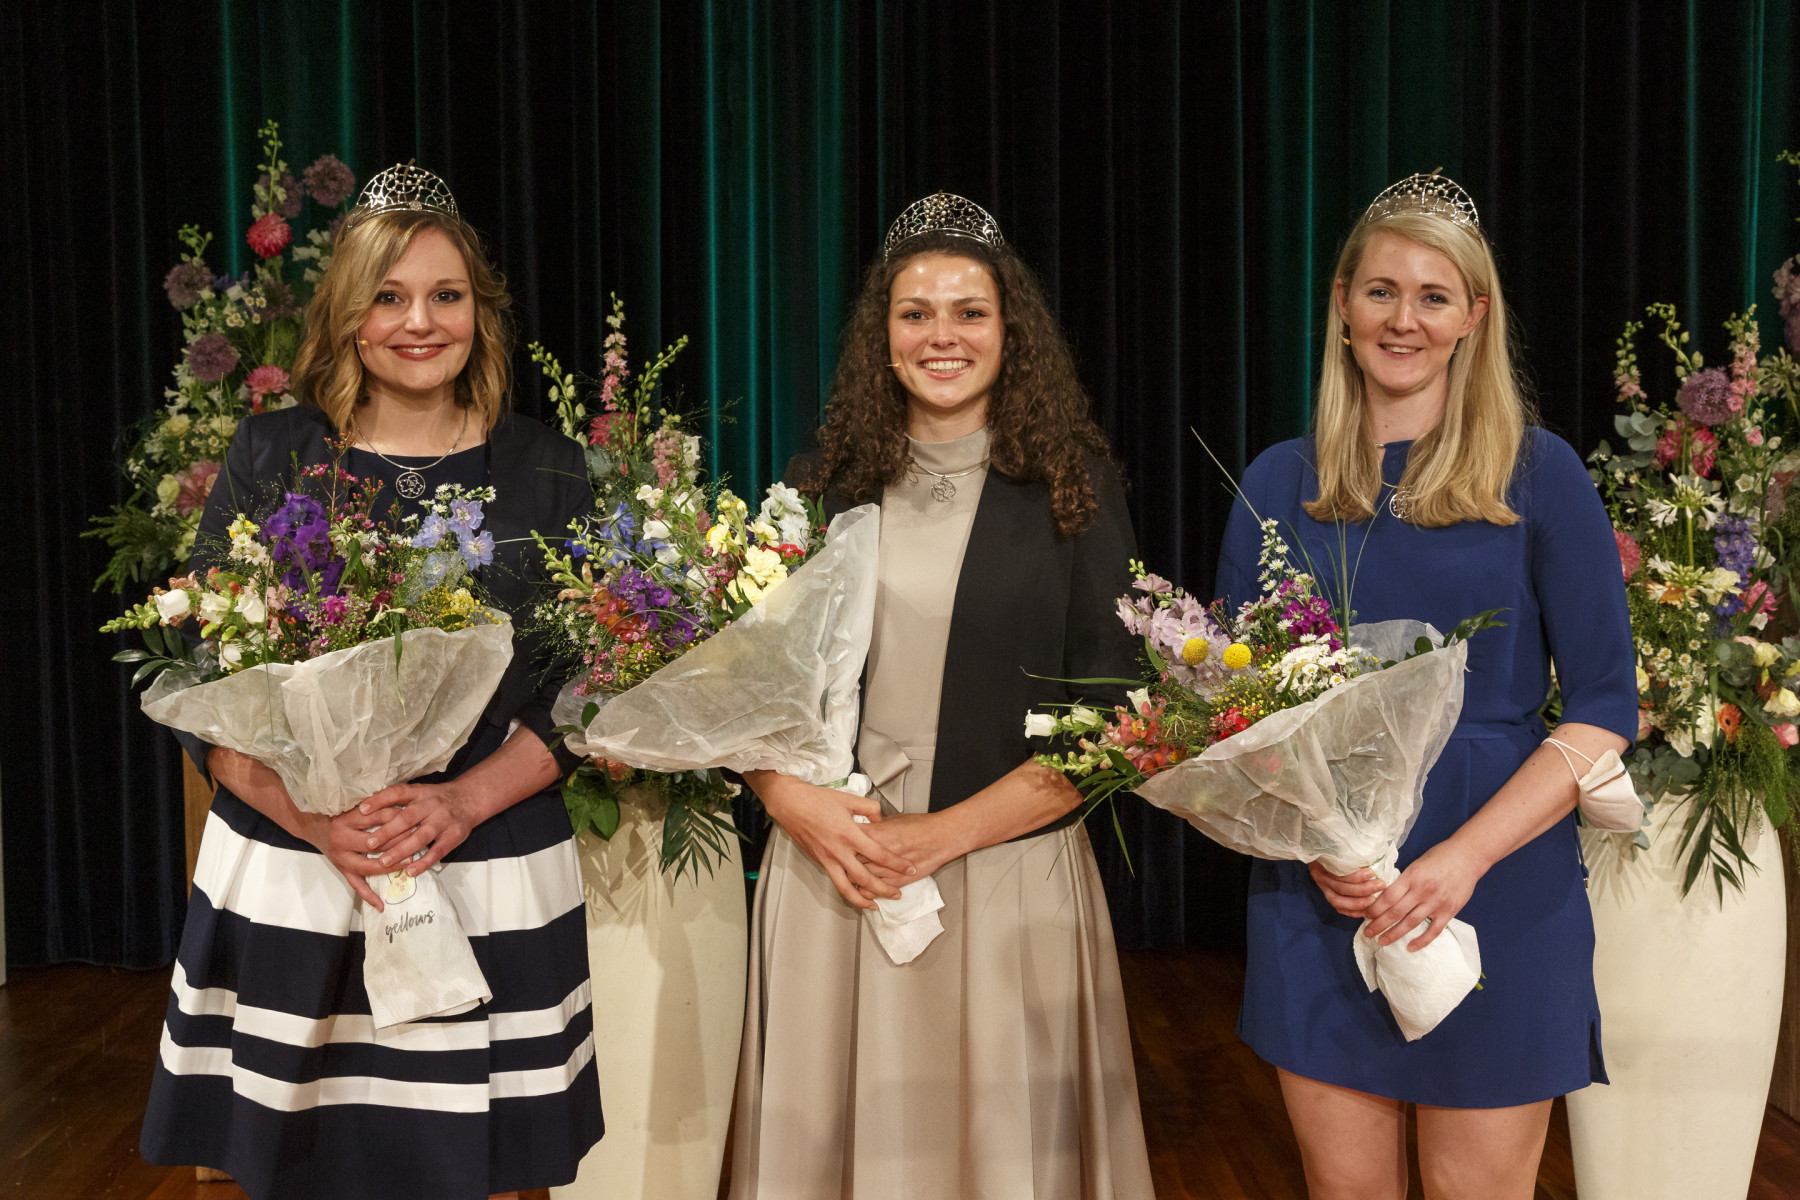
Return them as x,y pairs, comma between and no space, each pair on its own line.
405,187
943,213
1433,193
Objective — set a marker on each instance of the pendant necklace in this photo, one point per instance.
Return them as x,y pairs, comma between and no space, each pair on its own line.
1400,503
410,484
943,490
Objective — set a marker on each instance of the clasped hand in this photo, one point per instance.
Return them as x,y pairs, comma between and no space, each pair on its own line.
393,825
1435,888
822,822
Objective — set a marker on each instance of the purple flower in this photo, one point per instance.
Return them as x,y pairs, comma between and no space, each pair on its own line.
477,548
1707,397
290,203
1736,547
465,514
278,300
431,532
211,357
299,538
329,181
185,281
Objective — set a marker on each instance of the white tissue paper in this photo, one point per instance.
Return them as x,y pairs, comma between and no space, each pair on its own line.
1340,780
339,728
904,927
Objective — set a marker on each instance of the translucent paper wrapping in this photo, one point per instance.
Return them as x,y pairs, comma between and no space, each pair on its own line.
341,727
1340,780
776,690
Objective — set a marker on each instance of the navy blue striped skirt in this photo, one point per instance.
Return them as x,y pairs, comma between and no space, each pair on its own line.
272,1071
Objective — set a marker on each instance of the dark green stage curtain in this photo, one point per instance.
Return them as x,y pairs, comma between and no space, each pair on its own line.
1180,175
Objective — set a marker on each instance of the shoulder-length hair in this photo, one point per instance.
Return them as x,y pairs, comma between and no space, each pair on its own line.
327,370
1462,469
1038,418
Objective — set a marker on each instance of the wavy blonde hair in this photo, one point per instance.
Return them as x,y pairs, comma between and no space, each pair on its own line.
327,370
1462,469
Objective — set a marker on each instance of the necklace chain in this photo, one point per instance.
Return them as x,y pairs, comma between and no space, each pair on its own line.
410,483
943,490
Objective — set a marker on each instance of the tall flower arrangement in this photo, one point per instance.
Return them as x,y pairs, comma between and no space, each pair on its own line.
1709,535
240,337
662,562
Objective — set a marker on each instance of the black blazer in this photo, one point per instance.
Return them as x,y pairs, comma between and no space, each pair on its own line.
1029,602
540,482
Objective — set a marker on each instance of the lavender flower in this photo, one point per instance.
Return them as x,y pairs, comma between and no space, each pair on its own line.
185,281
465,514
477,548
299,538
211,357
278,300
1707,397
329,181
431,532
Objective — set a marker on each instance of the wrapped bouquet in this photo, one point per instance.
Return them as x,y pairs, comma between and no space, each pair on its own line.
346,655
1281,733
694,642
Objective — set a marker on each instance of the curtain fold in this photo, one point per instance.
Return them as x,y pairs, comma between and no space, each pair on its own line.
1179,175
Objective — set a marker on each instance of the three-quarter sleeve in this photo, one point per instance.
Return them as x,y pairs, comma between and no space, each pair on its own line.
1580,590
567,498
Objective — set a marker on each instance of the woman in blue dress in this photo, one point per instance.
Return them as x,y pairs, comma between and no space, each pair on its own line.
1448,502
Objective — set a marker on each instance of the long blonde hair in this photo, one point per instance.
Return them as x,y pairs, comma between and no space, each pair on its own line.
327,370
1463,468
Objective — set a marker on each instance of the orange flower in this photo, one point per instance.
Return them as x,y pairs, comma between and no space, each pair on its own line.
1729,720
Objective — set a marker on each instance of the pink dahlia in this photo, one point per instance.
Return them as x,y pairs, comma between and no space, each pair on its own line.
1630,556
1701,445
269,235
196,485
266,380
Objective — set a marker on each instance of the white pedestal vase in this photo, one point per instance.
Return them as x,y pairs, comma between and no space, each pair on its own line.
1690,1007
668,962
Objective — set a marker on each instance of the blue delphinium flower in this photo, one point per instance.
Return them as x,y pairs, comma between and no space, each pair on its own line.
431,532
439,567
1736,548
477,549
465,514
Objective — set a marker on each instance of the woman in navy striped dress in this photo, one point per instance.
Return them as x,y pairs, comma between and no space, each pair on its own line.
270,1067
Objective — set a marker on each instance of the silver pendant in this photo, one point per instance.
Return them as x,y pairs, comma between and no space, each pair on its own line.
1400,503
410,485
943,490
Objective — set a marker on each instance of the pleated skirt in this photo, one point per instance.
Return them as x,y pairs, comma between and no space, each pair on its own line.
997,1064
271,1070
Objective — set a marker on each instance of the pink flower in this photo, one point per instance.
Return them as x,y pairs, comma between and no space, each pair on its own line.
1754,436
1630,556
1645,727
600,430
266,381
1786,734
269,235
196,485
1701,444
1760,597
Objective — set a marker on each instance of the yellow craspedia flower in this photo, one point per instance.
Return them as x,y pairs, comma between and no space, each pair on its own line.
1194,651
1237,656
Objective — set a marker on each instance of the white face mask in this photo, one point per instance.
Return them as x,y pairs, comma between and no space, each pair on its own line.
1608,801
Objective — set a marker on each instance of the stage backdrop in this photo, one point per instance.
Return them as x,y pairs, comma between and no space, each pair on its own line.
1180,174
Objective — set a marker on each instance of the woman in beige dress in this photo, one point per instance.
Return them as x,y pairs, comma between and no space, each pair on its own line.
997,1062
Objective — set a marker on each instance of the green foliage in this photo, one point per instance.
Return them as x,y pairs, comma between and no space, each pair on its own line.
697,831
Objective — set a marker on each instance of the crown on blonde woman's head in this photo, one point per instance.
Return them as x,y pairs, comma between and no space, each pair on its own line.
404,187
1433,193
943,212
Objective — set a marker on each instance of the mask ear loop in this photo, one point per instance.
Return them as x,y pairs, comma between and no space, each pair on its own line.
1598,811
1565,749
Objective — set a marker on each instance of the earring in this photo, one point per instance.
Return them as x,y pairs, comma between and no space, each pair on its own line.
1346,339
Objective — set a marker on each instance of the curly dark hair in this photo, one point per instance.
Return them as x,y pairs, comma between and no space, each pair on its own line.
1038,413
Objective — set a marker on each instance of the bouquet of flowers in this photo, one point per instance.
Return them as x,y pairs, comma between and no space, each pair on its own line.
662,566
1284,732
347,656
241,337
1701,504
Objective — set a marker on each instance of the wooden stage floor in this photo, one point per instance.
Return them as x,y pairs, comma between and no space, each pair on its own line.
77,1044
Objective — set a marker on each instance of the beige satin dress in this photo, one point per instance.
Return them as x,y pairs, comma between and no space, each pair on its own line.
997,1064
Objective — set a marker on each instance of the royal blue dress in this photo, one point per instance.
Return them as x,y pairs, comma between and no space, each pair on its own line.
1533,1031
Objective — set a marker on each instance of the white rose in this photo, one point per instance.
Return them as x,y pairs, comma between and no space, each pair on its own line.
214,606
252,606
171,605
1783,703
1039,725
177,425
167,488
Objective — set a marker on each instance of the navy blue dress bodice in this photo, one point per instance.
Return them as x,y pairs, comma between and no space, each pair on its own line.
1533,1031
